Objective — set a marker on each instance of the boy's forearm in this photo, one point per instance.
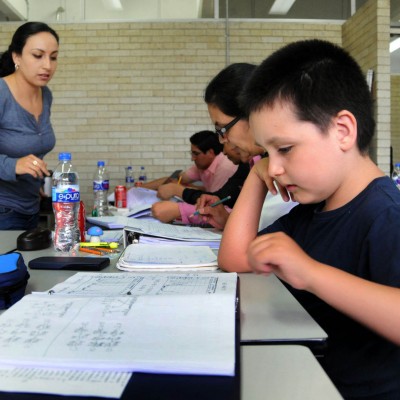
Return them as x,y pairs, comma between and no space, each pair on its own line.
374,305
242,226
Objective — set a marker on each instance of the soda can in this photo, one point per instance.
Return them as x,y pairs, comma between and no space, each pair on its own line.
82,221
120,196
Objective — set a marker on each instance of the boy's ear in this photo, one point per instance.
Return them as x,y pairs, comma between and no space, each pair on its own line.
346,129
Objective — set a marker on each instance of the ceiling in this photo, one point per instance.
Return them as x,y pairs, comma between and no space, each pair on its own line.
301,9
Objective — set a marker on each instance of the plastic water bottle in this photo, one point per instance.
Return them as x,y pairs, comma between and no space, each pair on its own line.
101,184
66,201
129,177
142,175
396,175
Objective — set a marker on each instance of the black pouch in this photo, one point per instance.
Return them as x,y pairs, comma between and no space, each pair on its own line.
13,279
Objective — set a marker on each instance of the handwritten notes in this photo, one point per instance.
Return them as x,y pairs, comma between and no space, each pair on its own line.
161,258
171,333
63,382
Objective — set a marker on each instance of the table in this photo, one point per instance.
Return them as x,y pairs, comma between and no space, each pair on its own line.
284,373
269,315
8,240
269,312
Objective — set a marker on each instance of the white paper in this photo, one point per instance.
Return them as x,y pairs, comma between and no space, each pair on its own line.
157,334
139,284
161,257
63,382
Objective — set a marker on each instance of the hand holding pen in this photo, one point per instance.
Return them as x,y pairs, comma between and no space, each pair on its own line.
209,211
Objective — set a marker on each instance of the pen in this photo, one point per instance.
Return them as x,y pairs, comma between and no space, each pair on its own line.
92,251
179,180
103,249
111,245
214,204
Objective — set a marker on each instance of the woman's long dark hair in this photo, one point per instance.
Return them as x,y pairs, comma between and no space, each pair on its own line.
21,35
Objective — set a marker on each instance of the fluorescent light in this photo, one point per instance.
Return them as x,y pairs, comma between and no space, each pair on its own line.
394,45
112,4
281,6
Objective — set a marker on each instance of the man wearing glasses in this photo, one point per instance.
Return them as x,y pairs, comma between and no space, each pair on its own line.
211,167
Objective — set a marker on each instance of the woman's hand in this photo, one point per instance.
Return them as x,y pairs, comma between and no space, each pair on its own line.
215,216
31,165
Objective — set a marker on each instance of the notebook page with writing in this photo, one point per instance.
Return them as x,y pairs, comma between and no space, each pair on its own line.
157,334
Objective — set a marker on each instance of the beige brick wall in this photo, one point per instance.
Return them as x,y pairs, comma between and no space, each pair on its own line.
366,37
133,92
395,116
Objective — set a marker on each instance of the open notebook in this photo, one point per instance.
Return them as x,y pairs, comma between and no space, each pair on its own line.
157,323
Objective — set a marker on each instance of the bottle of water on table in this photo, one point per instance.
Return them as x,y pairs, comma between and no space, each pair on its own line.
66,203
142,175
129,177
101,185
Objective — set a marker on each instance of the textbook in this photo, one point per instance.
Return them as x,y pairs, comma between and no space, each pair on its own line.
155,323
158,257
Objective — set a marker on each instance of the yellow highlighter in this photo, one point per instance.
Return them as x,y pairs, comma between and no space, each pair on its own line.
111,245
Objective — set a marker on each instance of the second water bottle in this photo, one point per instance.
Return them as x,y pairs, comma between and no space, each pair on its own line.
101,185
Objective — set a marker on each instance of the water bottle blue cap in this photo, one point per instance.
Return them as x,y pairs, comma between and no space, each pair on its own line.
397,165
100,163
64,156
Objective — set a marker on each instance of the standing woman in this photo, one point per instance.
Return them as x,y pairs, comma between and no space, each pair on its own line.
26,134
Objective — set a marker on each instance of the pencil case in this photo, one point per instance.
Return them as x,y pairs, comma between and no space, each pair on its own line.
13,279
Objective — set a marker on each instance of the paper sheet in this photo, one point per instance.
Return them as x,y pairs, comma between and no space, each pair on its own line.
161,257
139,284
63,382
158,334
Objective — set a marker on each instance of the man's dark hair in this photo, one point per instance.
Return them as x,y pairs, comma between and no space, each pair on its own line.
206,140
318,79
224,89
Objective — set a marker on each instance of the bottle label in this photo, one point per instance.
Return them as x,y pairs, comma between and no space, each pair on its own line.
129,179
101,185
67,194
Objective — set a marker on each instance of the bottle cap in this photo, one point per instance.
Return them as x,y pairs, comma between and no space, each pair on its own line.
64,156
100,163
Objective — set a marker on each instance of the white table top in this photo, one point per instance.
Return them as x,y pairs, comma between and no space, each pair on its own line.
8,240
284,373
269,313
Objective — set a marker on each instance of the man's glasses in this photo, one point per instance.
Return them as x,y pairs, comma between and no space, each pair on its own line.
195,153
221,132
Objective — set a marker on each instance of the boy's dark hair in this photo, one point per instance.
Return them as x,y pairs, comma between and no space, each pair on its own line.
319,79
225,88
18,41
206,140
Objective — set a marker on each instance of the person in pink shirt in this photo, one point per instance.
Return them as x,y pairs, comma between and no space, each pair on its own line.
211,167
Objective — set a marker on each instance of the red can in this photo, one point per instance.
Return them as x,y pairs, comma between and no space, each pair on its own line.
82,221
120,196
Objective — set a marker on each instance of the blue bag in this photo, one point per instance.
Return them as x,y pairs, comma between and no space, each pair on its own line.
13,279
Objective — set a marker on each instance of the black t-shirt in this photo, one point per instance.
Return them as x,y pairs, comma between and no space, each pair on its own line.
363,239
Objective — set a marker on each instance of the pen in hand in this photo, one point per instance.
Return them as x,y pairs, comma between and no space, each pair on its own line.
213,204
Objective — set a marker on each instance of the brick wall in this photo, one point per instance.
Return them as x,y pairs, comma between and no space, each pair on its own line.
366,37
395,116
132,93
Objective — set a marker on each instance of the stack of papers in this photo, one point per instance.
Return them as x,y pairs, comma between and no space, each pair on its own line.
149,232
138,257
